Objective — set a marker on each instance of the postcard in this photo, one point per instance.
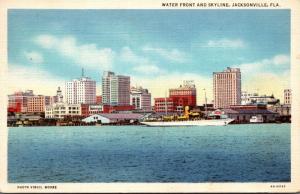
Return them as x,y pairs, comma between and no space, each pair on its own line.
153,96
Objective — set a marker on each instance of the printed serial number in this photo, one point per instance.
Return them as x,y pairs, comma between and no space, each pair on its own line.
277,186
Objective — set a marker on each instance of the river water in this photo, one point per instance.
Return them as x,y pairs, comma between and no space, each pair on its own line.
233,153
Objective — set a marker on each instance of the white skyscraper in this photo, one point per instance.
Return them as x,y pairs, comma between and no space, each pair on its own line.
115,89
81,91
227,87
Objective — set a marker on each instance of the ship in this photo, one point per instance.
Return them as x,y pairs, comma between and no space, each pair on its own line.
188,119
201,122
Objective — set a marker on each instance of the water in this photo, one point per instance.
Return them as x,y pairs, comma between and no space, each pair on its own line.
233,153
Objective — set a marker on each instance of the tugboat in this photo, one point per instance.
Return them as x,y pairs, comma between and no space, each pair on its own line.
257,119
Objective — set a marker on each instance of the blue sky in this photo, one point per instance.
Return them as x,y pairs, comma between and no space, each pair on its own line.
157,48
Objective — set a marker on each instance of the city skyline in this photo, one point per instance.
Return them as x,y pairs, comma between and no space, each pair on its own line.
159,54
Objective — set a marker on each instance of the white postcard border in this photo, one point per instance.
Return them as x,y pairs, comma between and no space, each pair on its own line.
293,186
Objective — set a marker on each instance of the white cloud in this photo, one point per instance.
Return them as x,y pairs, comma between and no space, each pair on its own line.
47,41
34,57
141,64
173,54
281,60
267,83
129,56
40,81
86,55
248,68
271,64
267,76
225,43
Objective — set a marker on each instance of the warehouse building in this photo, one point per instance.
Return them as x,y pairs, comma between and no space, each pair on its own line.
113,118
244,115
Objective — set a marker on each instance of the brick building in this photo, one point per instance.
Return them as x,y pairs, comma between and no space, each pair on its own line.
17,102
163,105
37,104
185,95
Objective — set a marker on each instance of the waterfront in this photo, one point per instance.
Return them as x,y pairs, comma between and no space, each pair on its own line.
233,153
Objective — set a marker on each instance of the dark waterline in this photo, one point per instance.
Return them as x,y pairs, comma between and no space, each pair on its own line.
234,153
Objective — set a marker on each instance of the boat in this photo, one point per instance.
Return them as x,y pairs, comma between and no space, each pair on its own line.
201,122
257,119
188,119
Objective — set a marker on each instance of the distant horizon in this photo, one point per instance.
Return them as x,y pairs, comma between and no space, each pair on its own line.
158,49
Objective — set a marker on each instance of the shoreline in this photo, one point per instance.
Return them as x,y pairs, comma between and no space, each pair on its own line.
78,126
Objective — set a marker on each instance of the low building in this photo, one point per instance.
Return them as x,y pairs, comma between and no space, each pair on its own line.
284,111
95,109
165,105
117,109
61,110
91,109
253,99
23,120
245,97
17,102
205,108
113,118
244,115
249,107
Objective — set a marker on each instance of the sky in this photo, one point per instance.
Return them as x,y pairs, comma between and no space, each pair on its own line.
158,49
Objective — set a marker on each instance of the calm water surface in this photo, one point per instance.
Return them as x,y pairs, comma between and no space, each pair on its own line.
233,153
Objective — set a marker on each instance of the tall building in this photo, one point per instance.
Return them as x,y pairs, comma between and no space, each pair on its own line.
287,96
140,98
17,102
227,87
115,89
106,82
185,95
98,99
37,104
81,91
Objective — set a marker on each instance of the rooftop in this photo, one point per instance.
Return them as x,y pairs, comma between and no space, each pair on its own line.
245,111
122,115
